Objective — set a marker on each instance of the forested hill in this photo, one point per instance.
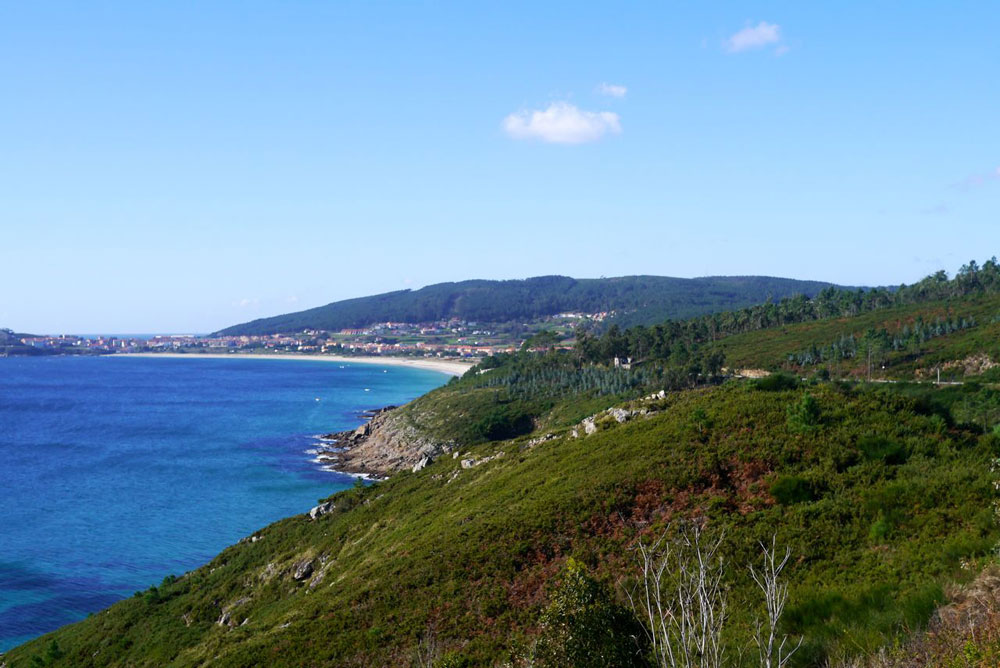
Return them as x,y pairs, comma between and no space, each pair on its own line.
638,299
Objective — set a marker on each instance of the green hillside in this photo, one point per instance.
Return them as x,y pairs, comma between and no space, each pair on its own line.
796,346
516,544
470,554
641,299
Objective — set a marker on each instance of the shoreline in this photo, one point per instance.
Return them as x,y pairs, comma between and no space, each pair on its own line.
449,367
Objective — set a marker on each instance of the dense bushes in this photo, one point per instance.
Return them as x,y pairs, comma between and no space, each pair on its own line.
776,382
502,422
790,489
882,449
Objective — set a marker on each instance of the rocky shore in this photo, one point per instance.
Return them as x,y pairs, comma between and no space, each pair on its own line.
383,445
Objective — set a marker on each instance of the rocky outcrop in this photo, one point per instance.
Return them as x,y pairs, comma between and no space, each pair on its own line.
321,509
302,570
473,462
747,373
387,443
226,618
973,365
596,422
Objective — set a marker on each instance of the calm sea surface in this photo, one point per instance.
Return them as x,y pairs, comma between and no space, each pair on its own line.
115,472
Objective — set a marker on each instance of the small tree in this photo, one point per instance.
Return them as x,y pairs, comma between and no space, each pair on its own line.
804,415
584,628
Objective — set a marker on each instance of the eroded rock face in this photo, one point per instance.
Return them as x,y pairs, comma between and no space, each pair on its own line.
321,509
303,570
473,462
592,424
386,444
226,618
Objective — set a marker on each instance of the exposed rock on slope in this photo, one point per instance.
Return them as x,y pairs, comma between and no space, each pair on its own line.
385,444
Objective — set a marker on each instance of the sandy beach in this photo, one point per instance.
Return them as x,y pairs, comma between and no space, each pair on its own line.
451,367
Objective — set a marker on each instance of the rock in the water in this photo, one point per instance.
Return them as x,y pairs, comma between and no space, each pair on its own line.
303,570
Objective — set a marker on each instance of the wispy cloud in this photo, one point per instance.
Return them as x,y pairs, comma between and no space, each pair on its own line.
562,123
978,180
940,209
755,37
246,302
612,90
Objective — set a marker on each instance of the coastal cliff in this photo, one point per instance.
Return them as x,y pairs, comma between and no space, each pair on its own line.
387,443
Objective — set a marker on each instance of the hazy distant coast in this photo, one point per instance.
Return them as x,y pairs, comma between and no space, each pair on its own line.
451,367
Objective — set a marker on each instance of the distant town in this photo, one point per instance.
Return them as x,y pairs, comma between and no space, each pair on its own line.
443,339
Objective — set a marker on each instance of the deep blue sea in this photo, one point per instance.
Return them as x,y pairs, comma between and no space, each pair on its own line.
115,472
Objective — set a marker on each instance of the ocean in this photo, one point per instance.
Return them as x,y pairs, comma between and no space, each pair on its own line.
116,472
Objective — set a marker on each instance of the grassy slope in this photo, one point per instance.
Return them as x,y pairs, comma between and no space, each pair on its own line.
471,558
770,348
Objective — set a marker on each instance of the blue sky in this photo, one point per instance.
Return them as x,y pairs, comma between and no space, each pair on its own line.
183,166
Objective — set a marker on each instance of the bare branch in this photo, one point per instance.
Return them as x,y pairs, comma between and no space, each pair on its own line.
773,652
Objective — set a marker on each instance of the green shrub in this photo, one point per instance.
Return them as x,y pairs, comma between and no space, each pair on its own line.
918,607
804,415
776,382
152,595
502,422
454,660
878,448
584,628
52,654
880,529
789,489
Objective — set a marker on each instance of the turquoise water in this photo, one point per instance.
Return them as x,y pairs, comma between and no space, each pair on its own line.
115,472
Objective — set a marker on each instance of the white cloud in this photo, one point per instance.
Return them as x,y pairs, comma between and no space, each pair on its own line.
245,302
754,37
562,123
612,90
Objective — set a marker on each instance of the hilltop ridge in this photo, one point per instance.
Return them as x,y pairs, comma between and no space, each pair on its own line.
635,299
